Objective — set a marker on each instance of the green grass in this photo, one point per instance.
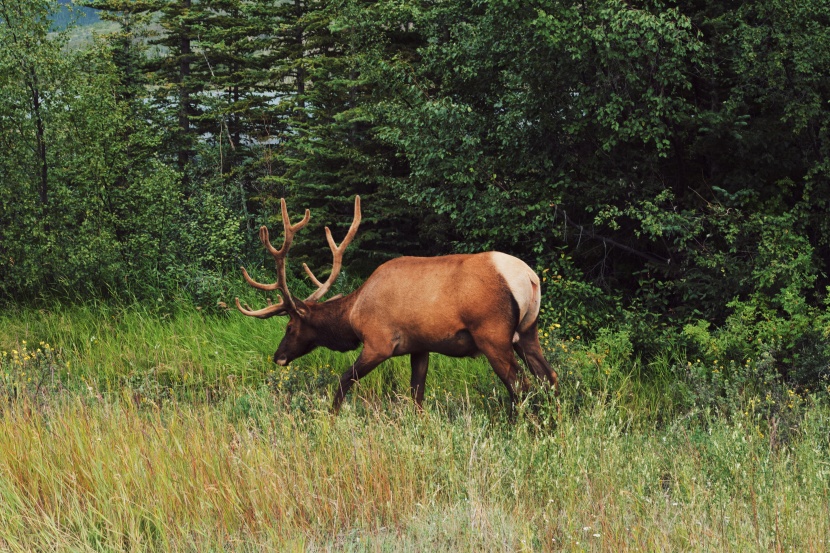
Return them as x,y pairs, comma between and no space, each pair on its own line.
192,356
149,430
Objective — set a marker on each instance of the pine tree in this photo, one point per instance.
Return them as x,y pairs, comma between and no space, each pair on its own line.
228,69
127,42
330,153
169,68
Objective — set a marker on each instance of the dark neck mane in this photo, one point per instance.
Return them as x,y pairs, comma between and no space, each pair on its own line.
331,318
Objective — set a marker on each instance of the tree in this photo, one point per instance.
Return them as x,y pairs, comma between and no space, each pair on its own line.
30,74
26,59
520,114
329,151
664,160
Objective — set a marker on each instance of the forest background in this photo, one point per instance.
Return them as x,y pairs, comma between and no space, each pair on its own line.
663,165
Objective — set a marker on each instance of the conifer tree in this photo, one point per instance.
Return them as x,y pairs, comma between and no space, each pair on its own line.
231,67
169,66
329,152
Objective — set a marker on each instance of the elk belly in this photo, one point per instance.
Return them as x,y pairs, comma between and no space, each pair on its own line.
461,344
458,344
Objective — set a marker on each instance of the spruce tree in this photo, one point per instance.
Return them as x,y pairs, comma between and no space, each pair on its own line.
329,153
169,65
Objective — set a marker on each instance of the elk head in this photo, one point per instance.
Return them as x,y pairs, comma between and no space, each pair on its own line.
308,321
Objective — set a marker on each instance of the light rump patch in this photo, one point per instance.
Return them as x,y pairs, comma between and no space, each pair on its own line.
523,284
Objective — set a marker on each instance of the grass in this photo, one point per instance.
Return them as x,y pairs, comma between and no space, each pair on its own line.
193,356
145,430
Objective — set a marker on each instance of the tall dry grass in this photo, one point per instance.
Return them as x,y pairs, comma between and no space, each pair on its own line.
107,475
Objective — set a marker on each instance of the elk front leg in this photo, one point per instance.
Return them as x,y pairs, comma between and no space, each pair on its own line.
420,364
363,366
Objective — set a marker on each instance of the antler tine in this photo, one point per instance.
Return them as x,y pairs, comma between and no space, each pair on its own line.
279,255
259,285
264,313
337,253
287,302
290,230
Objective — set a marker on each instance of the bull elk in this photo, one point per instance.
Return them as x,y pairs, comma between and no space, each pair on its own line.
460,305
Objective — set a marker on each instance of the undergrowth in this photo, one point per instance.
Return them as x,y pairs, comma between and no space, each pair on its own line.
124,427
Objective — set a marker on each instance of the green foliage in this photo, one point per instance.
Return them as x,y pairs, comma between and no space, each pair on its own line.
117,218
329,152
488,109
775,312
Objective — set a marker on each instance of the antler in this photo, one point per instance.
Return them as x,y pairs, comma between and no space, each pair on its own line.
337,253
286,302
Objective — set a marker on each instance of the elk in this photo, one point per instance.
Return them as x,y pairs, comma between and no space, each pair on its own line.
460,305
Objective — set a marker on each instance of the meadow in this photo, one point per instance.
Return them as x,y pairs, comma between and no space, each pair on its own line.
136,428
664,168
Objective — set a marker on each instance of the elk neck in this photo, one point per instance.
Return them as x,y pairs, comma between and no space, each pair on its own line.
331,321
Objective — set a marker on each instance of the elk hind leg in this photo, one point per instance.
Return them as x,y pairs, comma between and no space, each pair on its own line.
501,358
530,351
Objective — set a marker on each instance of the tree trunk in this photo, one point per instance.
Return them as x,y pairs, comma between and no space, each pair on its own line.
40,137
185,52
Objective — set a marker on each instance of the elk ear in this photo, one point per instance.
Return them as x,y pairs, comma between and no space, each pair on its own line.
302,310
